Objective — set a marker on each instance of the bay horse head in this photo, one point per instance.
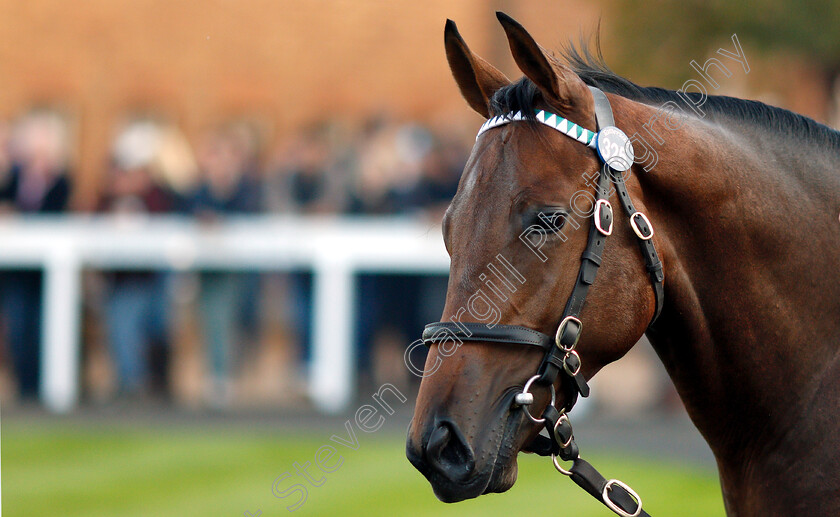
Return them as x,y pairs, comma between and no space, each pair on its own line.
526,233
745,198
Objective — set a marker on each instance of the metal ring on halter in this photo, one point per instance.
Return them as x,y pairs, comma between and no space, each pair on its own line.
519,400
566,365
558,467
614,507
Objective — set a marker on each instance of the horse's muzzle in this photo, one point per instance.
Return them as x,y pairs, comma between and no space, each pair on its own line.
445,457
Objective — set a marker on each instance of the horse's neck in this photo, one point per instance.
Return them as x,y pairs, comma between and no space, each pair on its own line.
750,331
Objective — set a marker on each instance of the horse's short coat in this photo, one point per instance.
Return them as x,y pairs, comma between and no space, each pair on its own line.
745,204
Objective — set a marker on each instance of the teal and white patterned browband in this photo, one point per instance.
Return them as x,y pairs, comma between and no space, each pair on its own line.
551,120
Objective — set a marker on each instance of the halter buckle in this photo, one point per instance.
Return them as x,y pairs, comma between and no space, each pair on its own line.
604,217
637,229
605,495
560,421
567,341
574,369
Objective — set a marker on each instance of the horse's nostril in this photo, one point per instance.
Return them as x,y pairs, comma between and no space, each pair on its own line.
438,441
449,453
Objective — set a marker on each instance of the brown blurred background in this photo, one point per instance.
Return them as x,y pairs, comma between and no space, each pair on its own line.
285,65
282,64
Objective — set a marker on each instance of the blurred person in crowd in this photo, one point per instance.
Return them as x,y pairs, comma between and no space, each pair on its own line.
378,170
429,196
34,179
308,175
440,173
6,167
5,178
174,167
309,171
146,156
389,177
228,185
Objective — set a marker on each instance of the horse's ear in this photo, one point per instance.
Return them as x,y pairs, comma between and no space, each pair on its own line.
477,79
558,83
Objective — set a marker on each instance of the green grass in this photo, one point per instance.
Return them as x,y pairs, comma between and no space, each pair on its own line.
98,470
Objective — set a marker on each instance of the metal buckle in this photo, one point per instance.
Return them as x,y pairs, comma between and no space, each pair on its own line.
561,330
574,372
526,398
614,507
635,226
599,205
571,437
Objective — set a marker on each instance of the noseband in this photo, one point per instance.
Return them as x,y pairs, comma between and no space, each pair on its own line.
615,152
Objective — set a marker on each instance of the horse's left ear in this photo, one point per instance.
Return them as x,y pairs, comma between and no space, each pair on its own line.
558,83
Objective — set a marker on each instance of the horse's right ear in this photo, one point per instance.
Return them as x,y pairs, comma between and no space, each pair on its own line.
477,79
559,85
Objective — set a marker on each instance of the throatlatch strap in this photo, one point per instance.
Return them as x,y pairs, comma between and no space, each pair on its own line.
604,117
654,265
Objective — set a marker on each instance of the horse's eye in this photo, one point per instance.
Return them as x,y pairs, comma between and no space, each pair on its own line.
548,220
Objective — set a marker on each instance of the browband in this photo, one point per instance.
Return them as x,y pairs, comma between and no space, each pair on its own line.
565,126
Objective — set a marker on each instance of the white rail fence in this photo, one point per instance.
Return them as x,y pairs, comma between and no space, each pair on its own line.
335,249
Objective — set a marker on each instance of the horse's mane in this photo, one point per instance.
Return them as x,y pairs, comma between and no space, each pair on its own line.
522,95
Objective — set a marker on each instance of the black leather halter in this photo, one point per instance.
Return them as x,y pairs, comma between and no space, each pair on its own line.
560,355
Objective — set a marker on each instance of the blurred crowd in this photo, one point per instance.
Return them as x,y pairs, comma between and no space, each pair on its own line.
380,167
